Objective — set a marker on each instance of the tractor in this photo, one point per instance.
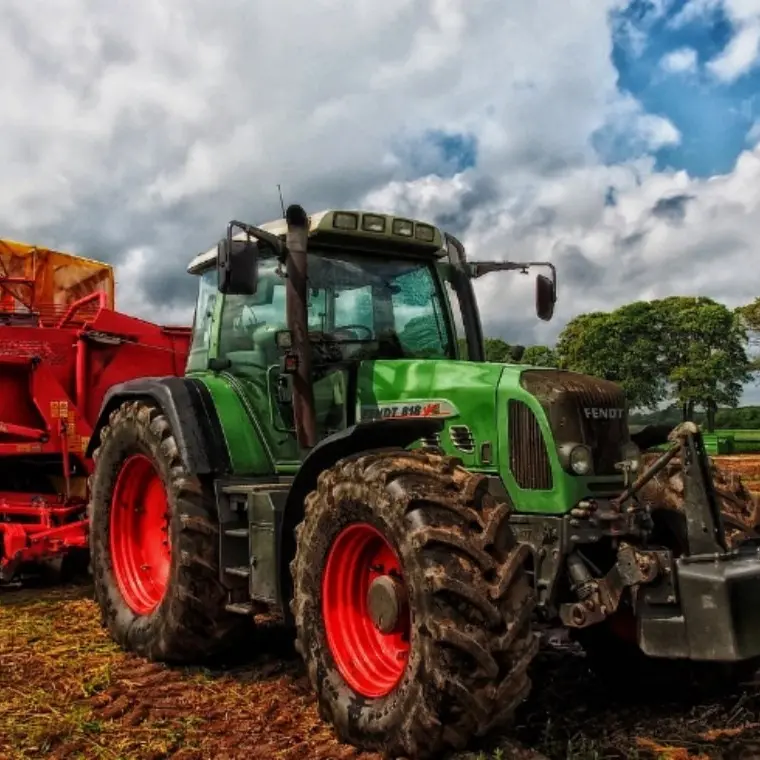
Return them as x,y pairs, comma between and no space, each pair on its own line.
331,458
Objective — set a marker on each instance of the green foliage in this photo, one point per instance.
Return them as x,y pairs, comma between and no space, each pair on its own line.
623,346
689,350
704,356
500,351
740,418
540,356
750,315
497,350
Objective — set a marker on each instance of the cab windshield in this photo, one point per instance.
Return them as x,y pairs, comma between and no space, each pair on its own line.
374,307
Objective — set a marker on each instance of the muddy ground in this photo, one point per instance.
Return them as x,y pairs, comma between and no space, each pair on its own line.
67,692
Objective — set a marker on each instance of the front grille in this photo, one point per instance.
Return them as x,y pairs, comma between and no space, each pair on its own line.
461,437
528,456
583,409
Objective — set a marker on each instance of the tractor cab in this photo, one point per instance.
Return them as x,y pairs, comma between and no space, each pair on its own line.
377,288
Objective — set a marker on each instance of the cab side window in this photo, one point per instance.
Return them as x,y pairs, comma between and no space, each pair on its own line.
202,321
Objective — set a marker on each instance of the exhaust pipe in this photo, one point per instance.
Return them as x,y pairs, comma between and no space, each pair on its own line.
296,289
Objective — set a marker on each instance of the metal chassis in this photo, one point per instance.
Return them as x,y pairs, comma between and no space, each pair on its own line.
703,604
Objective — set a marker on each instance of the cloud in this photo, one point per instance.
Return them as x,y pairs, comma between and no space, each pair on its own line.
740,55
695,11
683,60
151,128
135,137
629,131
742,52
667,233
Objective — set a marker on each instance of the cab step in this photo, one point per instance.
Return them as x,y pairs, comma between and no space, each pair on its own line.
240,608
241,571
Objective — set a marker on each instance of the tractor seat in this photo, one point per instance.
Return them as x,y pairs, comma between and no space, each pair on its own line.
262,354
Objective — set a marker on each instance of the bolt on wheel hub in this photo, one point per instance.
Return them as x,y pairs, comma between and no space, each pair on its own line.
386,602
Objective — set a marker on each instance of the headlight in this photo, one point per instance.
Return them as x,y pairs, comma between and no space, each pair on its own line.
577,458
631,453
581,460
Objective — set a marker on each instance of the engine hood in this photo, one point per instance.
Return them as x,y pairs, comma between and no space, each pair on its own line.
460,393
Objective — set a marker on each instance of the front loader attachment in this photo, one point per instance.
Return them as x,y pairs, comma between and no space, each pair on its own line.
705,602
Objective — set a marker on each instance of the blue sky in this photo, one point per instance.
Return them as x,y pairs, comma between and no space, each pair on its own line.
713,117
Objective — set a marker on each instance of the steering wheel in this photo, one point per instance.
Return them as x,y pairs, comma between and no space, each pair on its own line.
356,328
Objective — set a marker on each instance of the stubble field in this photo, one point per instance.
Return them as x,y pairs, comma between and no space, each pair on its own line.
66,691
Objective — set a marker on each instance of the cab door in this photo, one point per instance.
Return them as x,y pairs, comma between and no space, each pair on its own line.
247,341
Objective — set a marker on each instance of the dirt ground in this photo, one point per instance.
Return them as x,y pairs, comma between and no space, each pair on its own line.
67,692
745,465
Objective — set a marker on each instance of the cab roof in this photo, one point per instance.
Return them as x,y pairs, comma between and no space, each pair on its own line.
331,223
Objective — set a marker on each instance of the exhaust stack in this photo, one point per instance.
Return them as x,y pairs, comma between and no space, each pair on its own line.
296,242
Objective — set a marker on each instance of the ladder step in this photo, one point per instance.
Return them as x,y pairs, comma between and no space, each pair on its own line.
242,571
237,532
240,608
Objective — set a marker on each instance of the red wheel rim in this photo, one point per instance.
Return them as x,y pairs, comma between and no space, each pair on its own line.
140,542
371,662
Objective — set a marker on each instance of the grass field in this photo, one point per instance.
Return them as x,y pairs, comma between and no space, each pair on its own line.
68,692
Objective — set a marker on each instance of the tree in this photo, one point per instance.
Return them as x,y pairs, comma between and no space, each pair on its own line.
688,349
497,350
749,317
540,356
624,346
703,354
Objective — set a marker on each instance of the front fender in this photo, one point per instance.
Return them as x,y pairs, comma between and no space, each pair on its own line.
190,410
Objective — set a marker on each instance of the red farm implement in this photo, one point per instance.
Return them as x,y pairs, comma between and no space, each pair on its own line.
62,346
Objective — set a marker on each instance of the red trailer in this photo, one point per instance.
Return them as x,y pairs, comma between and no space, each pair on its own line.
62,345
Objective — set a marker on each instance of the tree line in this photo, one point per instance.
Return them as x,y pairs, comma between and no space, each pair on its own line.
684,356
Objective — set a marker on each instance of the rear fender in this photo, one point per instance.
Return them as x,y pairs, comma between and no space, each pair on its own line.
190,410
364,436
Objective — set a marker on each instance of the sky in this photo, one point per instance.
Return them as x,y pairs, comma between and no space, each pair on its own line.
619,139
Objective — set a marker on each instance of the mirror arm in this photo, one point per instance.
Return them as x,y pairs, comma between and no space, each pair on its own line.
480,268
258,234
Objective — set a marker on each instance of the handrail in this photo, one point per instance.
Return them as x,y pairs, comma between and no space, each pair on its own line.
99,295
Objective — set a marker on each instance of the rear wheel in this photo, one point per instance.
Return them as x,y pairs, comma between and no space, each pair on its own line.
155,545
412,606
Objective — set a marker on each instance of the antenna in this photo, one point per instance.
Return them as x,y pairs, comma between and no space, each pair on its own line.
282,202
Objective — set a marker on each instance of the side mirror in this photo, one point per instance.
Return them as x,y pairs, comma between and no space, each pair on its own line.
237,266
546,297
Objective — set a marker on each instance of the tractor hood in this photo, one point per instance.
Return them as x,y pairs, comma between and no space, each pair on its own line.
461,393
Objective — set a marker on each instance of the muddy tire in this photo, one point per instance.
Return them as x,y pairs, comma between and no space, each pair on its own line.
156,575
465,605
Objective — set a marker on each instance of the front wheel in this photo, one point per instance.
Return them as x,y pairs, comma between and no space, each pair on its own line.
412,606
155,545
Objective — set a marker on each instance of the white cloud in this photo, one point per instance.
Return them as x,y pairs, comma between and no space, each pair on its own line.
683,60
740,55
137,136
743,50
694,11
667,234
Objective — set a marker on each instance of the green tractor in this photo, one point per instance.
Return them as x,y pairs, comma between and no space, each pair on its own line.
332,458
